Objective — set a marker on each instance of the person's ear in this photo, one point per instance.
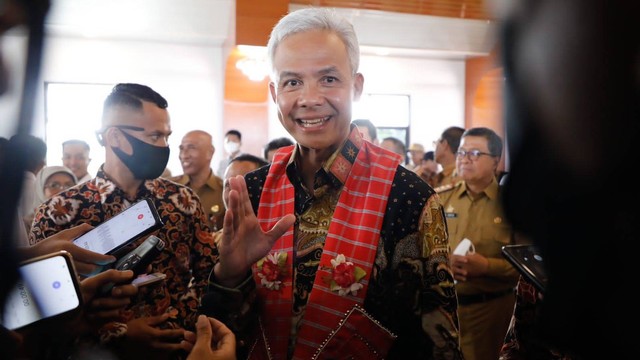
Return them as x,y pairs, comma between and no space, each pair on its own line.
272,90
358,85
112,137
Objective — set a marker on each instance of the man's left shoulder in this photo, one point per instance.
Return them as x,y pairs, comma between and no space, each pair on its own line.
215,181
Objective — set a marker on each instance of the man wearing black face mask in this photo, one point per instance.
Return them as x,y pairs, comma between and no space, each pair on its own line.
135,129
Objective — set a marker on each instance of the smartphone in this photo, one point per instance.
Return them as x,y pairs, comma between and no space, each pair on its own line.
132,223
147,279
47,289
138,259
528,261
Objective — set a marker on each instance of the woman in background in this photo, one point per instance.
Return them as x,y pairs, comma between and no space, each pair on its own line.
49,181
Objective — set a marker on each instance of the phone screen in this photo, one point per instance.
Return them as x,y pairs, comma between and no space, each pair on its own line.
528,261
46,288
131,223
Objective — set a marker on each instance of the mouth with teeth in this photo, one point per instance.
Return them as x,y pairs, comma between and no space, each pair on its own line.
310,123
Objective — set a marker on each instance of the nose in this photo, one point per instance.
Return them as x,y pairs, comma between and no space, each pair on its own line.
310,95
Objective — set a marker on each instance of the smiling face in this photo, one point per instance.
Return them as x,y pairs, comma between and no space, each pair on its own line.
196,152
314,89
76,158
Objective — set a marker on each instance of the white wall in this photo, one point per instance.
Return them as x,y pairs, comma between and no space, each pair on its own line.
190,78
186,65
436,88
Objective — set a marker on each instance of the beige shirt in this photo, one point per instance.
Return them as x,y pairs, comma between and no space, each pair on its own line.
210,195
482,221
448,176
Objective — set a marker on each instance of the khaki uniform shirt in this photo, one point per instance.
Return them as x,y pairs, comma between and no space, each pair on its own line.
483,325
210,195
482,221
448,176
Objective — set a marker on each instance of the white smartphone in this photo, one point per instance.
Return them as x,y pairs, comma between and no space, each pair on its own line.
137,220
46,289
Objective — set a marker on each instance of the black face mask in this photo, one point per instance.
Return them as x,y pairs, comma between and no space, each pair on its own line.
147,161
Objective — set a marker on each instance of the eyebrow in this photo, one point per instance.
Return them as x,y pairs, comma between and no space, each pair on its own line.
328,70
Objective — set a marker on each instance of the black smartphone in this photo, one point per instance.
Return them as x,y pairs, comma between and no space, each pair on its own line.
528,261
47,289
129,225
138,259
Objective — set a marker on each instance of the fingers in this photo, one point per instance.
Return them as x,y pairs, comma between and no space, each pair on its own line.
222,334
73,232
203,330
87,270
281,227
87,256
91,285
156,320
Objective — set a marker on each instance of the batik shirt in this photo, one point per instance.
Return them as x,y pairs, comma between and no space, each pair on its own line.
187,255
409,293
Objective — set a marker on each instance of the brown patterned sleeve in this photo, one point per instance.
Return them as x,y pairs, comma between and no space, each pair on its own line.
440,323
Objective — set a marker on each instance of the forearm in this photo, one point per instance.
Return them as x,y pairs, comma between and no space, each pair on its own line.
233,306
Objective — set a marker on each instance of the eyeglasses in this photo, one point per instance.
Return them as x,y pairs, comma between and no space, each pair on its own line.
435,143
472,154
100,133
58,186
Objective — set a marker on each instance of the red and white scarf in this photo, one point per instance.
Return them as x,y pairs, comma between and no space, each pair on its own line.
354,232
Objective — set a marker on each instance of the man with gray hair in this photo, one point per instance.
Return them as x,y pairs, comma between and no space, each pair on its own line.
333,250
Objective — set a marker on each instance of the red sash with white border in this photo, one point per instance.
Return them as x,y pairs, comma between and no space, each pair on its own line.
354,232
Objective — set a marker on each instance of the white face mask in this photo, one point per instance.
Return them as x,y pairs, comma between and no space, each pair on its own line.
231,146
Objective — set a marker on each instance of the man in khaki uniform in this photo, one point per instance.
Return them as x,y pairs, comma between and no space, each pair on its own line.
196,152
485,280
445,149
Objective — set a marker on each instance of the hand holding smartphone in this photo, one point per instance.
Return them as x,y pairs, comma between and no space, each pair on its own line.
528,261
132,223
47,289
138,259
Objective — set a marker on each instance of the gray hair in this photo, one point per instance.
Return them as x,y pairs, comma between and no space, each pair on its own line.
314,18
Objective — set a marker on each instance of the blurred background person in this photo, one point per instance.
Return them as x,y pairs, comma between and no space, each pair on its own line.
415,153
75,156
485,279
368,131
196,152
428,168
572,109
397,146
445,149
232,145
50,181
35,150
274,145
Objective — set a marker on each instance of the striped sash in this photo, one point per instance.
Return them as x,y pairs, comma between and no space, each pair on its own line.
367,173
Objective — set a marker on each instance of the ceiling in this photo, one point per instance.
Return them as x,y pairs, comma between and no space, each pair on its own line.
452,29
463,9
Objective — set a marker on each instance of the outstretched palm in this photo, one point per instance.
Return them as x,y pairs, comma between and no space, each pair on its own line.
243,240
